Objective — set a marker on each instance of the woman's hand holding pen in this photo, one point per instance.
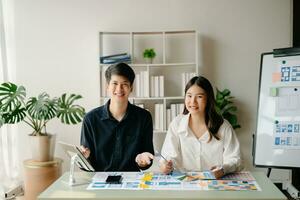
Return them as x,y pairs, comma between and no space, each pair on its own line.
166,167
217,171
144,159
85,151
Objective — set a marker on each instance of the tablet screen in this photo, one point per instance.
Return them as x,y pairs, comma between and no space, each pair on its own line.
81,162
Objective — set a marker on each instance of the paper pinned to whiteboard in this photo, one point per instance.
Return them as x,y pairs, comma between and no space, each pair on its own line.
288,101
286,135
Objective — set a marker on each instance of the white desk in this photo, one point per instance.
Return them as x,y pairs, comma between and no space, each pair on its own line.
61,190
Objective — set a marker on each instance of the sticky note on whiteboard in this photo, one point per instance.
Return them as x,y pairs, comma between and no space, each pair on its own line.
276,77
273,92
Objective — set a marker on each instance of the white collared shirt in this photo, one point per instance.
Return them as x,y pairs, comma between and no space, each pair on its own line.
192,154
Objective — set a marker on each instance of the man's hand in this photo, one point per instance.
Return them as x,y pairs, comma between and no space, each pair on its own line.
166,167
85,151
144,159
217,171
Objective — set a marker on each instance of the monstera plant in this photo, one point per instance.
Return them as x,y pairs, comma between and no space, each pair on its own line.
36,112
226,107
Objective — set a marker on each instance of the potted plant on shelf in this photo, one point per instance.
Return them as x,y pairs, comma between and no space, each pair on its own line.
36,112
149,55
226,108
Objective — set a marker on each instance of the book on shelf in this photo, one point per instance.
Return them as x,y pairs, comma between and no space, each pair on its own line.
168,117
112,61
157,86
158,117
161,86
114,55
185,78
137,85
141,84
116,58
174,110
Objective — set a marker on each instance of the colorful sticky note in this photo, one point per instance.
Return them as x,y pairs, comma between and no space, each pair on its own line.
273,92
276,77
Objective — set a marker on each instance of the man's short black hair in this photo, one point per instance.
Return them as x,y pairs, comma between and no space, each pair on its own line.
120,69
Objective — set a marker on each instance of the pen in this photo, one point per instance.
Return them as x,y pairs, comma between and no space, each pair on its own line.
159,154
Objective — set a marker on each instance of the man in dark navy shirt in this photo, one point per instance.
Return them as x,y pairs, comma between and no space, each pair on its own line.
118,135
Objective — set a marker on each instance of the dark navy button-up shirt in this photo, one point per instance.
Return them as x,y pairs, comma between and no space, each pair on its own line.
115,144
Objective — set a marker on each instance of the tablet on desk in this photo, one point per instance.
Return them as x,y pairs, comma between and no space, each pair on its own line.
72,150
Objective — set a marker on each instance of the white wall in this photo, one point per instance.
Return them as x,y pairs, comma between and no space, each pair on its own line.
57,47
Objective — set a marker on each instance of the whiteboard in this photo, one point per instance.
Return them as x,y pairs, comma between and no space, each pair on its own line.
277,136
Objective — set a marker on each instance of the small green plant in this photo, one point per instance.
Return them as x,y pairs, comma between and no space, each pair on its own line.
37,111
149,53
226,108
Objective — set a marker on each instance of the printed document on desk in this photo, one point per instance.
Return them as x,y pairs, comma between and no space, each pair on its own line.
175,181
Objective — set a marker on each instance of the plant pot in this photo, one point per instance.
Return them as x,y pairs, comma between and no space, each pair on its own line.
42,147
149,60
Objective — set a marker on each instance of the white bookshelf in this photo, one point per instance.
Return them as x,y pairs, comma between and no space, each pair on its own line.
176,53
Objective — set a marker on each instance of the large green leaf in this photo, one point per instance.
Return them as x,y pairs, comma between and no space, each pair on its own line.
14,116
229,108
42,107
11,103
226,107
219,95
231,118
225,92
11,96
68,112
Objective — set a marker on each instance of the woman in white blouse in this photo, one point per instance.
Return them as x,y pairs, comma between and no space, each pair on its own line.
200,139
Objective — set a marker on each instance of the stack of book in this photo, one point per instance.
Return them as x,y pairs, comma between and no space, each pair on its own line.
141,84
185,78
174,110
158,117
116,58
157,86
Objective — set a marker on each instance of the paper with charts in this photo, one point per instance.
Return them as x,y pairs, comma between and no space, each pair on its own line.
176,181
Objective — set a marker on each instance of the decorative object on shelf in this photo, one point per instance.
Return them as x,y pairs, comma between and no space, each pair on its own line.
36,112
226,108
149,55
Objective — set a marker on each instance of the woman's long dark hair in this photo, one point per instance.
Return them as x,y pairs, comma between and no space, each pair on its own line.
213,120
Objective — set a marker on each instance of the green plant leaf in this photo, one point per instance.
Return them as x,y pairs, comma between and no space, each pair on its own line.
226,92
149,53
219,96
11,103
42,107
14,116
11,96
229,108
225,107
68,112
